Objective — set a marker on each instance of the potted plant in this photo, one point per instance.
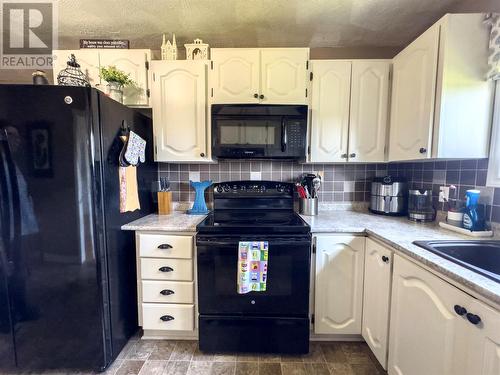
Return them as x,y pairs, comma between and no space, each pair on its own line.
116,80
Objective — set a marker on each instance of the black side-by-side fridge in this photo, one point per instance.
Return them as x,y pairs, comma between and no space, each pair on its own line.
67,272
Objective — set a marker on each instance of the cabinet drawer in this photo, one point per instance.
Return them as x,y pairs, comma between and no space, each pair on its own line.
165,246
183,317
168,291
180,269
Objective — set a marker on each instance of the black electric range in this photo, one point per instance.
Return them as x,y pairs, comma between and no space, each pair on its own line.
274,320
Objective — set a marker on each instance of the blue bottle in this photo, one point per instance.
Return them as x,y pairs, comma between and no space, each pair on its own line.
473,215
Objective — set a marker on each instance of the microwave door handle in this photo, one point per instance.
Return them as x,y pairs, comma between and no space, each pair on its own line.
284,136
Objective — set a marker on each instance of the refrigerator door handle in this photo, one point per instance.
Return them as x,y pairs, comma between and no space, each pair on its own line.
10,206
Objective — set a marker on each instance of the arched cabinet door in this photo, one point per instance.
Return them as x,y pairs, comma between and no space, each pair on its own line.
284,75
426,335
339,284
331,89
413,97
179,110
235,75
369,110
133,62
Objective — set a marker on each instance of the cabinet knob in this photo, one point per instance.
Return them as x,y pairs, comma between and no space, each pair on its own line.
385,259
165,269
164,246
202,154
255,96
473,318
422,150
261,96
343,156
460,310
353,155
167,292
167,318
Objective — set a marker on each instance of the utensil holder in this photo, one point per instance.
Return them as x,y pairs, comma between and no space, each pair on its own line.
308,206
164,202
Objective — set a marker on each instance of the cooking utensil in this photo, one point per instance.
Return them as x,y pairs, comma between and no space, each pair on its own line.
316,185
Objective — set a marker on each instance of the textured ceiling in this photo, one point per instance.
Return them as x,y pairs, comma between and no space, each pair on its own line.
251,23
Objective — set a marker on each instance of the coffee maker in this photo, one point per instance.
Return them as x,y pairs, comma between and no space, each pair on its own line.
420,207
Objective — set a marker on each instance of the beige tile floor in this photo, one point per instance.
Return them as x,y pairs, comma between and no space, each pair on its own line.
162,357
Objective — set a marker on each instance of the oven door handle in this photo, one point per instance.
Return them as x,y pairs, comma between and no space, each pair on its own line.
283,242
284,136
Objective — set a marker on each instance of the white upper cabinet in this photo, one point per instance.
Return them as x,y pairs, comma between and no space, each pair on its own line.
87,58
376,299
330,97
426,335
349,110
134,62
131,61
179,110
369,110
284,75
413,88
253,75
339,284
235,75
439,92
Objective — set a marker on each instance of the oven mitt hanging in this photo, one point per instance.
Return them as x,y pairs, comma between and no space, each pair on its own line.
252,266
135,149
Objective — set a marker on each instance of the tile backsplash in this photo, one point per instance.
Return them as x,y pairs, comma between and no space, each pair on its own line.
343,182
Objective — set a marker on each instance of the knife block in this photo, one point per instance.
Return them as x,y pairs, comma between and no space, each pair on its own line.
164,202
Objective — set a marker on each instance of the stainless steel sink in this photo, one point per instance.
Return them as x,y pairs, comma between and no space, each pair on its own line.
482,257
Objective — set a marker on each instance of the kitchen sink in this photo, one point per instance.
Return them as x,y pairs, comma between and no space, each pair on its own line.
482,257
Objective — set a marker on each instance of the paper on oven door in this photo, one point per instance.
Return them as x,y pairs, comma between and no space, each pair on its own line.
252,266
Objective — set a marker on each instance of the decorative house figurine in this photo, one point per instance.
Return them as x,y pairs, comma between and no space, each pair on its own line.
196,50
168,50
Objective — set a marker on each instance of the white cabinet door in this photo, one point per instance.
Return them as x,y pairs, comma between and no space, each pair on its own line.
484,340
376,299
426,335
331,88
413,97
235,75
87,58
133,62
284,75
369,110
339,284
179,110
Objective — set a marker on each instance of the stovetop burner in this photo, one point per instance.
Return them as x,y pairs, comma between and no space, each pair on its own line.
263,207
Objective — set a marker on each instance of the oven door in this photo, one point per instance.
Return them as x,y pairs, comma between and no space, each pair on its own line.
288,273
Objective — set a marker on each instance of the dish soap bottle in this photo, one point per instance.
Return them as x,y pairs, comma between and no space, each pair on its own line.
473,217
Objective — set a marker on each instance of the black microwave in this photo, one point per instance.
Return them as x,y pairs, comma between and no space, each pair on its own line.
250,131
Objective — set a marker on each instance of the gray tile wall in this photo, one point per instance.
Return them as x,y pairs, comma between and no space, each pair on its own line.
341,182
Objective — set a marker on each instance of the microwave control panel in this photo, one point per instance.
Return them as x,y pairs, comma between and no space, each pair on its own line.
295,134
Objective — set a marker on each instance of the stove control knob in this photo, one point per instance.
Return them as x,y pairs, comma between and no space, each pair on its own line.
280,188
226,188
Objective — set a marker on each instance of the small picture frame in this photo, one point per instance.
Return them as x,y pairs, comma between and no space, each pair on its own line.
197,50
41,152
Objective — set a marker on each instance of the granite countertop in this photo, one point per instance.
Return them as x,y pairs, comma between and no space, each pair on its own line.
399,233
177,221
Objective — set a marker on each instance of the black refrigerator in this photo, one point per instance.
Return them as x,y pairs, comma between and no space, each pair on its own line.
67,272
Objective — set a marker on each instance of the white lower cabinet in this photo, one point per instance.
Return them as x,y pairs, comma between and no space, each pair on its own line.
376,299
427,336
166,284
339,284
